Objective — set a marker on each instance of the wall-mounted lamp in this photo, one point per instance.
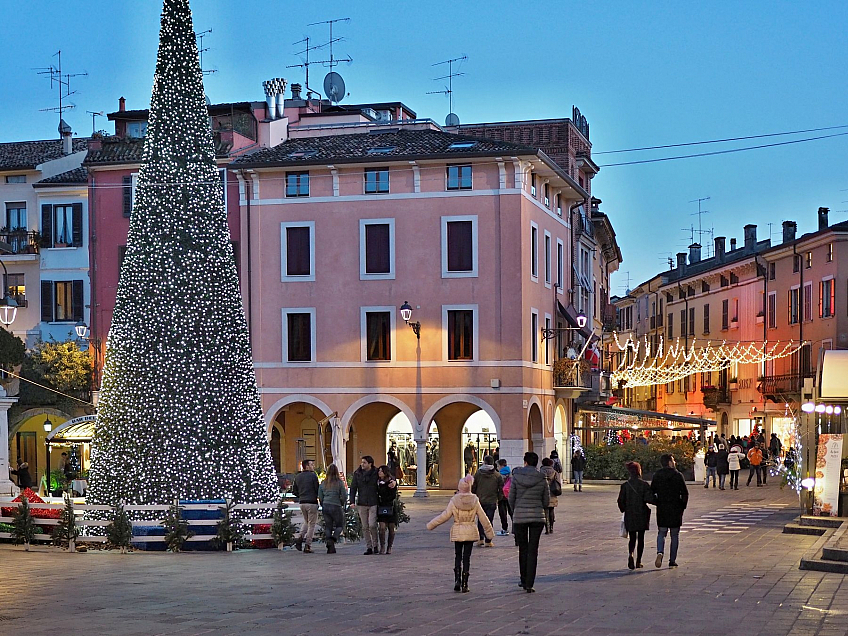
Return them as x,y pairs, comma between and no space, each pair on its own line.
406,314
552,333
48,425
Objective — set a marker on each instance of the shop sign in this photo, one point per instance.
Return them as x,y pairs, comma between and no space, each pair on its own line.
828,465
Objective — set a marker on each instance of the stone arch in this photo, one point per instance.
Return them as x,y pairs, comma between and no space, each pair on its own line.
370,399
271,413
535,431
461,397
549,419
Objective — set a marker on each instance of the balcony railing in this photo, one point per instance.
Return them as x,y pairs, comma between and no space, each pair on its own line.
777,384
18,242
713,396
570,374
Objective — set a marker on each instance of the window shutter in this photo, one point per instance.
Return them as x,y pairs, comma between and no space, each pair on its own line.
77,300
47,224
127,181
76,226
47,301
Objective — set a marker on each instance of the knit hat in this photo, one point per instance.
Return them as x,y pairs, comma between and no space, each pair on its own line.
505,471
464,484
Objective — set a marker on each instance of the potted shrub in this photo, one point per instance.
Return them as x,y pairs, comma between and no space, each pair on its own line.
760,317
733,384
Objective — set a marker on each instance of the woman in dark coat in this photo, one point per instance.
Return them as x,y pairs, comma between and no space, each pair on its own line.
386,495
633,500
722,465
24,478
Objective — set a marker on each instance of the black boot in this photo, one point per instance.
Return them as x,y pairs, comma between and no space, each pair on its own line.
457,575
331,546
465,581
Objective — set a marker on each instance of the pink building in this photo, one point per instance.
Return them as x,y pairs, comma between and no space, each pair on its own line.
347,222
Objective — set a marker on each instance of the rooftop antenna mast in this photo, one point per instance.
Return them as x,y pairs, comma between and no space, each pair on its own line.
63,82
699,213
452,119
627,283
691,230
201,50
667,257
305,63
334,86
93,116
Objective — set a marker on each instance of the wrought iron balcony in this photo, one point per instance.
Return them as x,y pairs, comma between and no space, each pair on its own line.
713,396
572,374
774,385
18,242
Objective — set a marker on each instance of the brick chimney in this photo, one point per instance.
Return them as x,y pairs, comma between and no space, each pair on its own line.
719,248
122,103
789,230
823,218
295,89
681,262
732,244
694,253
750,236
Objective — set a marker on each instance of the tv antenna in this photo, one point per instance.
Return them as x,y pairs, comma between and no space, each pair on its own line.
201,50
699,213
334,86
626,285
451,119
63,82
93,116
691,230
668,258
305,63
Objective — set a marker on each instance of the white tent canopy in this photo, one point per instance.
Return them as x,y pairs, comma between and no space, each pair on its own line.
833,376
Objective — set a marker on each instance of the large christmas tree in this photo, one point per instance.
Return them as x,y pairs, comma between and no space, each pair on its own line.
179,413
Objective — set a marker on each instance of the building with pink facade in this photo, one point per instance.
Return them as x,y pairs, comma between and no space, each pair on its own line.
347,221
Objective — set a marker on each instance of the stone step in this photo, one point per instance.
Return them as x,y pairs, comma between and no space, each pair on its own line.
821,522
825,565
796,528
835,554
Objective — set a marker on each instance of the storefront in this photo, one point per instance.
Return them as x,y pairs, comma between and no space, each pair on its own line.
71,440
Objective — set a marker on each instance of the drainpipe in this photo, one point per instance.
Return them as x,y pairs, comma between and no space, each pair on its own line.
248,194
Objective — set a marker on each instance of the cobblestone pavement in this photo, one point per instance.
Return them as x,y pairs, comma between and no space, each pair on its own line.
742,582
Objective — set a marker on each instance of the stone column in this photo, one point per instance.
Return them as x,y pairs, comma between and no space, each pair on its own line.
512,450
6,485
421,458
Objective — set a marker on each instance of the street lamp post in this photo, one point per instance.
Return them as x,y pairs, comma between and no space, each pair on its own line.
83,332
406,314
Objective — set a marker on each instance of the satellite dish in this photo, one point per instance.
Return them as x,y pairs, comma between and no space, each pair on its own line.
334,87
451,120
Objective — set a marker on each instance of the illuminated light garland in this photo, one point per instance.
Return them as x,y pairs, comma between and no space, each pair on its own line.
678,361
179,414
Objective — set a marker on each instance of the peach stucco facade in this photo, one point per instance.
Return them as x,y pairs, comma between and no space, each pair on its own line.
502,378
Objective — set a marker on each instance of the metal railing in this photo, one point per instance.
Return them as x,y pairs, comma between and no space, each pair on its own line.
19,242
774,384
572,373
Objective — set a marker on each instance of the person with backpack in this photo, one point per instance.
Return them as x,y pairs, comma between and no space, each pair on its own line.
503,503
555,486
488,486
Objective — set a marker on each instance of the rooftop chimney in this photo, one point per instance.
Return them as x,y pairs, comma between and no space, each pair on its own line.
122,103
66,133
732,244
719,248
694,253
750,236
823,218
681,262
789,229
295,89
274,91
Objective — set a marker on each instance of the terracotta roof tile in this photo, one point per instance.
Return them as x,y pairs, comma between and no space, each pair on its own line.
71,177
26,155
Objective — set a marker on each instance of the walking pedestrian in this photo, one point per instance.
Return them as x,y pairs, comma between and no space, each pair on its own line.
734,463
488,486
555,487
722,467
578,465
633,499
775,446
305,489
386,515
764,465
529,497
504,511
332,495
464,508
364,484
672,497
755,457
555,459
711,462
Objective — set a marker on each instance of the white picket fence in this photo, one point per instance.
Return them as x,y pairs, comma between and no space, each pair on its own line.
82,522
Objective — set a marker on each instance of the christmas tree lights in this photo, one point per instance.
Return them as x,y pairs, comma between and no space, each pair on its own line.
179,415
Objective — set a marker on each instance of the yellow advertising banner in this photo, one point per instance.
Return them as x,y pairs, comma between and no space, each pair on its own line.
828,465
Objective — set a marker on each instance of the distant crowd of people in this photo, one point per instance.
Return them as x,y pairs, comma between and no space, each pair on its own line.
725,457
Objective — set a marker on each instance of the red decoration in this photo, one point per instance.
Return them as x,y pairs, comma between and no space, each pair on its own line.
37,513
262,528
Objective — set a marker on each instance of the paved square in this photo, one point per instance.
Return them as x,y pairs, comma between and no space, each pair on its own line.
738,575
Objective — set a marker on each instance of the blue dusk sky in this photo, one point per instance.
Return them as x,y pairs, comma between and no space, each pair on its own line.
643,73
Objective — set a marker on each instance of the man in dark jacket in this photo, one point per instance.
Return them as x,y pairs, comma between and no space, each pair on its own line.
305,488
364,484
488,486
24,478
672,497
529,497
711,462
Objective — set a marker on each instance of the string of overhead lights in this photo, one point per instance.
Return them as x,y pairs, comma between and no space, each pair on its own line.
640,366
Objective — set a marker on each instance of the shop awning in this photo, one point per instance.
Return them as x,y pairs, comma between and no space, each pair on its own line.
833,376
570,315
77,430
651,419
